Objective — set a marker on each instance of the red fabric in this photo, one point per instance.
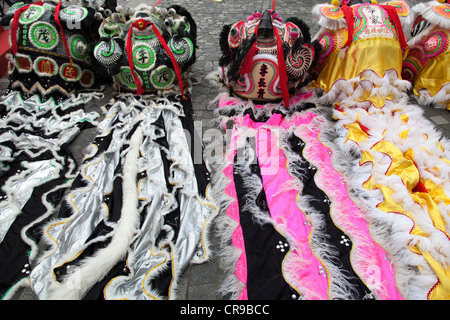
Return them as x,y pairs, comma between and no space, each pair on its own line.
420,187
247,64
348,12
174,62
128,48
396,20
248,61
63,36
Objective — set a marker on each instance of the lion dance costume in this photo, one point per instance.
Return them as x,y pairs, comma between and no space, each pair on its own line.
401,163
351,205
42,112
427,62
137,213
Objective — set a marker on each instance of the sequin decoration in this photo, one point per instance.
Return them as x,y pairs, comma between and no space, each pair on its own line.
70,72
78,47
182,49
73,15
108,53
126,78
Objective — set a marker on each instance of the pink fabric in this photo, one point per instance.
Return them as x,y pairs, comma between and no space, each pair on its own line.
368,258
301,265
237,238
283,207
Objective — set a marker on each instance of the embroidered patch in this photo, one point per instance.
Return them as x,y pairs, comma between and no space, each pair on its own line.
32,14
78,47
143,57
436,44
45,67
23,63
87,79
126,78
298,64
162,77
411,66
70,73
372,22
43,35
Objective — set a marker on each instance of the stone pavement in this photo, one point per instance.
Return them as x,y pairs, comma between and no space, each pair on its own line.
202,281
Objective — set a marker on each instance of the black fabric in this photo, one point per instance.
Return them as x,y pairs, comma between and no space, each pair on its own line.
114,203
162,283
96,292
196,146
14,250
321,204
265,279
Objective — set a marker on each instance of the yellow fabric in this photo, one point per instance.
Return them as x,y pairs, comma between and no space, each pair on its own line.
355,133
404,134
436,192
378,55
378,101
401,165
434,75
404,167
442,289
366,157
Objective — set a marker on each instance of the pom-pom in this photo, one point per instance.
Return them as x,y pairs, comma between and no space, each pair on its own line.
374,2
335,3
98,16
116,17
171,12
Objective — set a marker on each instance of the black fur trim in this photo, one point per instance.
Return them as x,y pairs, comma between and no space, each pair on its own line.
227,54
303,27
